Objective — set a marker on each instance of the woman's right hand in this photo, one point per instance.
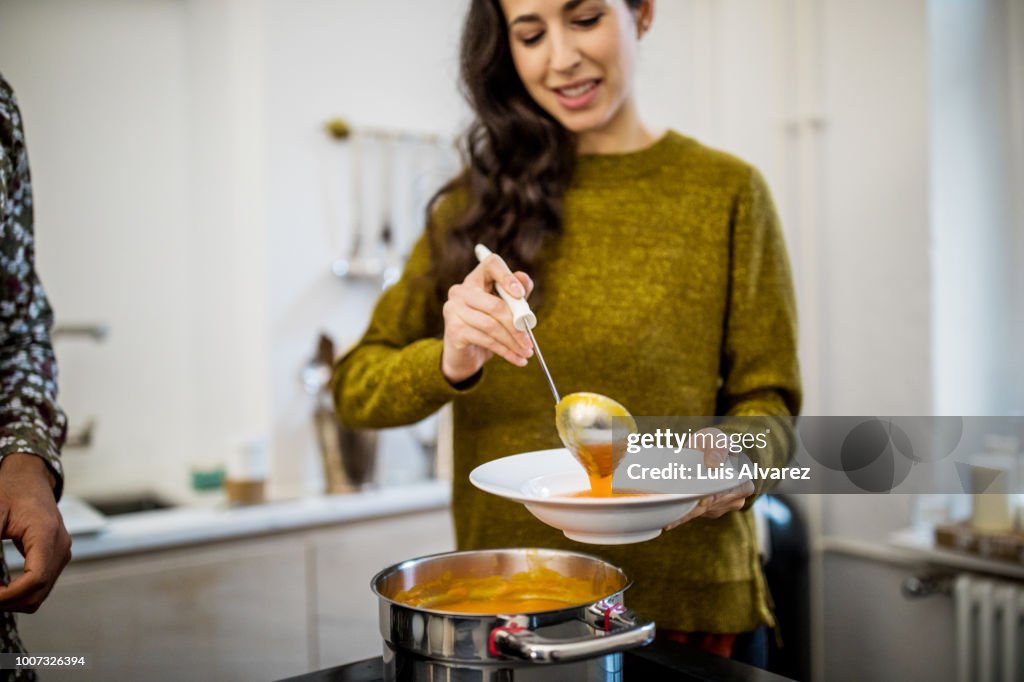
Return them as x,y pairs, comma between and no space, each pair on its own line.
478,324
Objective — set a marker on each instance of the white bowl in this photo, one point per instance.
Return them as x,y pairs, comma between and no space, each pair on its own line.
540,480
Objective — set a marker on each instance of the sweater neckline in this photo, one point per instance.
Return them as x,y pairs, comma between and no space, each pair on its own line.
598,168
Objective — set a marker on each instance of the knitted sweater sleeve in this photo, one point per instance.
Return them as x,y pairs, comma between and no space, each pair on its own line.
760,370
393,377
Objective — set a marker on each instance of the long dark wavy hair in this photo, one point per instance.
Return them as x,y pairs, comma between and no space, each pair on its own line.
519,161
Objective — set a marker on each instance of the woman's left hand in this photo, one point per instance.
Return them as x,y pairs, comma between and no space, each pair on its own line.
720,504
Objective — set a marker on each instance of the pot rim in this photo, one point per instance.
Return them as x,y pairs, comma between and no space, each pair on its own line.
628,582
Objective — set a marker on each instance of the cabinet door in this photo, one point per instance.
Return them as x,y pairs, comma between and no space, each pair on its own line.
347,559
871,632
234,611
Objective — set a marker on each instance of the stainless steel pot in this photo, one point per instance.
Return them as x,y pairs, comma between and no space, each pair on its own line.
578,643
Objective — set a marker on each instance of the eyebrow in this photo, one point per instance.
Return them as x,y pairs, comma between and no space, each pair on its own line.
532,18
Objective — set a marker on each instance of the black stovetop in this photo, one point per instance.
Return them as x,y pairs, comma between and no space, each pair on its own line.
659,661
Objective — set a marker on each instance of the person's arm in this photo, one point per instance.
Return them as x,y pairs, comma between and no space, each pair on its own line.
31,422
32,426
760,369
393,375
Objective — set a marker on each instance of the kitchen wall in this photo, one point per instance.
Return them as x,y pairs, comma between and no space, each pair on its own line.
104,91
975,85
175,146
390,65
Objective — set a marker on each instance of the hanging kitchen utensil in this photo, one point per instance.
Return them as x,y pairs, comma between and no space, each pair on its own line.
391,268
351,263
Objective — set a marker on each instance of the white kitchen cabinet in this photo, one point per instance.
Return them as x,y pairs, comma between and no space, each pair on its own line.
346,560
242,609
230,611
872,632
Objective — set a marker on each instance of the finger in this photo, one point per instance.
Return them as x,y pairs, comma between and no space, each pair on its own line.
731,500
713,455
716,458
495,331
494,271
471,334
724,508
44,558
469,296
740,492
454,326
496,311
24,594
526,281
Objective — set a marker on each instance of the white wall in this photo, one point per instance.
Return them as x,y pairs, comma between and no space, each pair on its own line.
174,146
104,93
972,210
875,317
384,64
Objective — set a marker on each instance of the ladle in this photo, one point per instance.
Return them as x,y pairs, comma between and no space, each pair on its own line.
584,420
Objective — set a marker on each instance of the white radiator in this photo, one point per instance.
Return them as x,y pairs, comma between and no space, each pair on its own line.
989,629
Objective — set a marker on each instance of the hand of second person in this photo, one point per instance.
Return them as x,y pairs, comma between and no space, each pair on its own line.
478,324
716,506
30,518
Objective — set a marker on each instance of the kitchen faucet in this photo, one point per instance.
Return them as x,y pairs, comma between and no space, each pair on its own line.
98,332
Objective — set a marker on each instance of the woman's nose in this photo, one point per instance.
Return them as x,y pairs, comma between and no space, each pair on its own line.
565,54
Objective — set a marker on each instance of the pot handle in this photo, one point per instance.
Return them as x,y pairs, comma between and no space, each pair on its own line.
516,642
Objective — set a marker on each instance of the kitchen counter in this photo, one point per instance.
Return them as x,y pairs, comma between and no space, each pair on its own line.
919,543
183,526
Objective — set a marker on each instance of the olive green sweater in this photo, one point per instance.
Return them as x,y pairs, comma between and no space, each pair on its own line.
669,290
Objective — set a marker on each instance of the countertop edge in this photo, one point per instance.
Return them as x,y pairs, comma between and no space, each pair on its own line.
916,546
184,526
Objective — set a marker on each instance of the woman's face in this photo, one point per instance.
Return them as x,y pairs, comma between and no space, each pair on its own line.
576,58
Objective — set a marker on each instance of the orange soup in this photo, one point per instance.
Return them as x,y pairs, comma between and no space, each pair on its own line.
539,589
600,460
609,493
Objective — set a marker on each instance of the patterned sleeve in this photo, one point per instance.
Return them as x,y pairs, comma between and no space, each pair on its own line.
30,419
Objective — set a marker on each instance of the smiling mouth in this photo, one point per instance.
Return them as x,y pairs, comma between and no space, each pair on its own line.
577,89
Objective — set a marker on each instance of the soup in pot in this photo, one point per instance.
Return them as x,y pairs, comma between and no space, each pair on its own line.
538,589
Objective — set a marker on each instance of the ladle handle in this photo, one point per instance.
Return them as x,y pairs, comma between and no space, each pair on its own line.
522,317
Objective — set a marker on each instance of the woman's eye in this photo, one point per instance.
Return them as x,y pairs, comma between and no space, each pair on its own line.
587,22
532,39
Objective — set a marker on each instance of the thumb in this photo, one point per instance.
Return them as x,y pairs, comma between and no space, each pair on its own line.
714,457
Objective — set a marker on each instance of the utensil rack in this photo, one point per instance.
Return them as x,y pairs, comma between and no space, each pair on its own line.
393,172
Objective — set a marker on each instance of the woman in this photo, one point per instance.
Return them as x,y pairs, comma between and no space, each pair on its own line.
662,281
